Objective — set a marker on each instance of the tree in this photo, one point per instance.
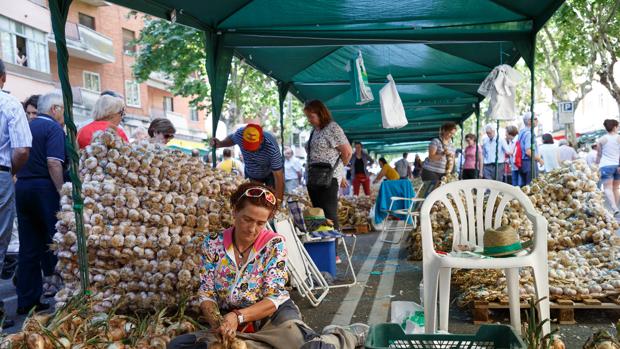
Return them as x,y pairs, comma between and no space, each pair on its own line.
179,52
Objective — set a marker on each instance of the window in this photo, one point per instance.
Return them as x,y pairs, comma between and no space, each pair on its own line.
92,81
23,45
132,93
168,104
193,114
129,47
86,20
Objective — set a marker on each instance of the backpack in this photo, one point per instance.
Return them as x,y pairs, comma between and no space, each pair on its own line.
517,155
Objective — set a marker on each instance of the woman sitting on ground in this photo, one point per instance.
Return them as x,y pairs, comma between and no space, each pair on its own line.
107,113
242,290
387,171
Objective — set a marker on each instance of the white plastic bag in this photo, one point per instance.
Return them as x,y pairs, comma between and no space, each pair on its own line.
392,110
361,88
409,315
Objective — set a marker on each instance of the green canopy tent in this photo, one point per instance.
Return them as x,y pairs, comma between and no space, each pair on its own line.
437,51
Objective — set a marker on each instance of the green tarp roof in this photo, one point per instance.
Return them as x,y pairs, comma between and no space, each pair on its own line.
437,51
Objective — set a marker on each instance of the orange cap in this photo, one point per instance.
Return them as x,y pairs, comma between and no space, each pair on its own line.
252,137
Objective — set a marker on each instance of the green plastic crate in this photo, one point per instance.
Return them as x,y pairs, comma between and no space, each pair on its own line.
390,335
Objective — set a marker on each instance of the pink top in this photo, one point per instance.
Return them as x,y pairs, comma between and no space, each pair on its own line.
470,157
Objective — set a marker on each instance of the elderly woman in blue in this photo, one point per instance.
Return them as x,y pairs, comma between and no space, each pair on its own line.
242,292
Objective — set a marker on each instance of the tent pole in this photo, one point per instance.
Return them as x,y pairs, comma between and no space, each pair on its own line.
532,99
59,10
219,60
282,93
477,111
462,152
497,152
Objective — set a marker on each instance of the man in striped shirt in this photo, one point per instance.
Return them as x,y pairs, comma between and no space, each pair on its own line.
15,143
263,160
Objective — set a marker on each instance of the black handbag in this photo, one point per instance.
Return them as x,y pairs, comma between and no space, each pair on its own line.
320,174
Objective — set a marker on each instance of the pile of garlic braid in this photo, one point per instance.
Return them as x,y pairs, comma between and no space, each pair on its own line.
146,210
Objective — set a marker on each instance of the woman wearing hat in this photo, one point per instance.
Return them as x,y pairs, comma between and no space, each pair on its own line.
242,285
328,148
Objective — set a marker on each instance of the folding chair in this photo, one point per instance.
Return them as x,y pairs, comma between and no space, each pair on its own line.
305,276
301,230
410,215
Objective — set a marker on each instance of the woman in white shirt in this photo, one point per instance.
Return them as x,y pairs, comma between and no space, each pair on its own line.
549,153
608,160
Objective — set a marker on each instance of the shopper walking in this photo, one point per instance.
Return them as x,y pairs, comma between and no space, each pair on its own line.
608,161
261,155
494,155
15,145
360,161
440,150
292,171
469,155
161,131
527,153
566,152
417,166
549,153
328,149
30,107
512,166
38,200
230,165
403,167
108,114
592,154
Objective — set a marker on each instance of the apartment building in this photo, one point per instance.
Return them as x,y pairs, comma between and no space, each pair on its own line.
99,39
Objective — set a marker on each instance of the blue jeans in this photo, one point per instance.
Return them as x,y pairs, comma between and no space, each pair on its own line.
7,212
516,180
37,203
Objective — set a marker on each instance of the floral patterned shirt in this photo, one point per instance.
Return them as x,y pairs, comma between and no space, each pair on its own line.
323,147
231,286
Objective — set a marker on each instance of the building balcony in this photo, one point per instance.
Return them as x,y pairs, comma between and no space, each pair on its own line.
159,81
85,43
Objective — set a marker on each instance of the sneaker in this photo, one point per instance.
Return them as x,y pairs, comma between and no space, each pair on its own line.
338,260
358,329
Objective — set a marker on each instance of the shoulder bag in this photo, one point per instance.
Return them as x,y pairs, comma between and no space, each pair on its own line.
320,174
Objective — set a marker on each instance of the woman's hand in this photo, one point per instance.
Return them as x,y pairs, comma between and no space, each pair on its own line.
228,328
344,183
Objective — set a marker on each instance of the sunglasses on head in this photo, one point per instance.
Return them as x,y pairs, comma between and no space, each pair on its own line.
122,112
257,192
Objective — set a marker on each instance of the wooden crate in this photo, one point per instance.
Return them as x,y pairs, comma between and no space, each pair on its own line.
565,309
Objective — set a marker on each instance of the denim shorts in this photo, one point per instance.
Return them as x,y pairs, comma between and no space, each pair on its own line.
609,172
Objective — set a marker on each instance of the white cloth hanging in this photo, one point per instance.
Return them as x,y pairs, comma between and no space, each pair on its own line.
500,87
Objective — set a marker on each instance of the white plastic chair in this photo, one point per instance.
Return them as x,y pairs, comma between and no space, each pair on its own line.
470,219
409,218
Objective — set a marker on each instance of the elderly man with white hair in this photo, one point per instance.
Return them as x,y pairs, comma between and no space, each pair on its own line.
38,200
292,171
492,154
527,153
107,114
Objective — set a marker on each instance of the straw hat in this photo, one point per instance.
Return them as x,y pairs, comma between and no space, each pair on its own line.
503,241
314,214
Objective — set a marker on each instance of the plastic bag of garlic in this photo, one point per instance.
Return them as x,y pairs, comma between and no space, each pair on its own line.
582,240
146,210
